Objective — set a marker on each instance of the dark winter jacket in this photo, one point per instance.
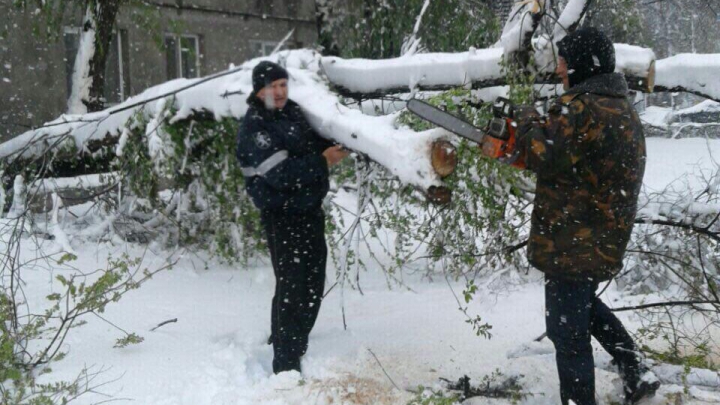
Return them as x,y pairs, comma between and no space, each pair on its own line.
589,156
286,155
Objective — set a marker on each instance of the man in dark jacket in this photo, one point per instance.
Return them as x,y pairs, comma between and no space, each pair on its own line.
285,165
589,157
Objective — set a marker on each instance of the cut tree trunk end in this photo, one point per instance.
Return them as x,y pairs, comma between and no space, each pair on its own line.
645,84
444,158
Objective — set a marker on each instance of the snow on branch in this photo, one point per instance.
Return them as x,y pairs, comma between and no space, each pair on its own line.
407,154
521,25
424,71
482,68
81,182
437,71
404,152
693,73
570,18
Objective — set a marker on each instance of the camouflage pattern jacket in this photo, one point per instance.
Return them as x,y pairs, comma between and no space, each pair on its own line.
589,157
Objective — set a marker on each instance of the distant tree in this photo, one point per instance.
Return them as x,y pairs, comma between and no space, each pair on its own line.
99,18
621,20
380,28
328,13
686,26
88,80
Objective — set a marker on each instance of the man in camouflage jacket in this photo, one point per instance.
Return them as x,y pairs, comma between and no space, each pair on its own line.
589,157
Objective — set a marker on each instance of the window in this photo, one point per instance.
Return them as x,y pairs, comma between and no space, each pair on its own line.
263,48
183,56
115,69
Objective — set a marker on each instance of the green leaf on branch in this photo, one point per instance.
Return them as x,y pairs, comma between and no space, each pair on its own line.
131,339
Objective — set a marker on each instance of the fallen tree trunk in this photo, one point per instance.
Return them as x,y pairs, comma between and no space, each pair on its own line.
692,73
476,69
405,153
72,144
62,169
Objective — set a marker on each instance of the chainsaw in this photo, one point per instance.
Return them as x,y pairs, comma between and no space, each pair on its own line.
496,139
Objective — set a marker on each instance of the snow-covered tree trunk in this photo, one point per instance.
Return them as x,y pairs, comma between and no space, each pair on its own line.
520,27
81,78
570,18
105,16
88,80
478,68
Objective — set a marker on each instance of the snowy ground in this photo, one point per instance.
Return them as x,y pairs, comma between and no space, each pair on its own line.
216,353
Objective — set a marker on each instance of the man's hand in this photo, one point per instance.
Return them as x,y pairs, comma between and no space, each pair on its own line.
335,154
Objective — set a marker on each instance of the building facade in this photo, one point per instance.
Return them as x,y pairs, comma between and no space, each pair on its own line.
188,38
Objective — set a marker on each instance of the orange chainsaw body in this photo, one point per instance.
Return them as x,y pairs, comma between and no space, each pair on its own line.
499,142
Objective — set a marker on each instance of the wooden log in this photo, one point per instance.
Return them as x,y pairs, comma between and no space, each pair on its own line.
444,158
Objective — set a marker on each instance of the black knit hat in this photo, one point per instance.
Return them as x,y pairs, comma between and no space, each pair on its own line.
588,52
265,73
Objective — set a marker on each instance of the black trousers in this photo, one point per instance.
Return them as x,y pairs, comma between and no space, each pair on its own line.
573,315
299,255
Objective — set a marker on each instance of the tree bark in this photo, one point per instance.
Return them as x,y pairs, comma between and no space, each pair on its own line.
79,94
105,15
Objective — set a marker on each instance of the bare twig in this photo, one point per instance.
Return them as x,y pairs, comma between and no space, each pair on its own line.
666,304
174,320
383,369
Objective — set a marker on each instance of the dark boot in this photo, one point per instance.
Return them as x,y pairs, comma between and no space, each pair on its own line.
282,364
638,383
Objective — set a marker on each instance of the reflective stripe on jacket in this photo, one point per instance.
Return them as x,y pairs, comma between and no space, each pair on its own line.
281,157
